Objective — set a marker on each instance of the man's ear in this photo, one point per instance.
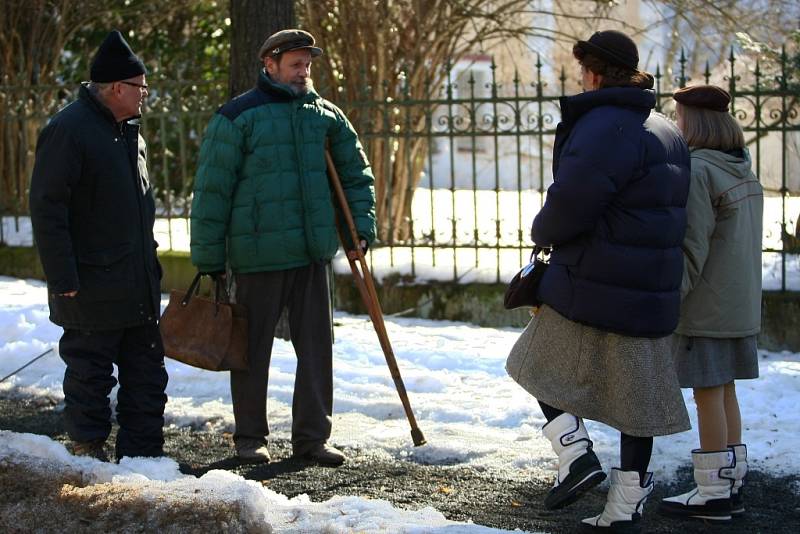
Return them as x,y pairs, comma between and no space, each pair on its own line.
270,64
115,89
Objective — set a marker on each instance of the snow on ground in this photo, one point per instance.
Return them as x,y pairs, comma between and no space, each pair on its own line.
159,479
469,410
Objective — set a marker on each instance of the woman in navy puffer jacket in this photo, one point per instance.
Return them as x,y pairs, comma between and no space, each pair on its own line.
615,216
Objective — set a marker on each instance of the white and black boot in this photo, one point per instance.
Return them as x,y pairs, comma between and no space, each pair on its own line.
578,466
624,505
711,499
739,472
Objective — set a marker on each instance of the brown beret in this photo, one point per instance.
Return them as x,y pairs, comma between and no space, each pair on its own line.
704,96
285,40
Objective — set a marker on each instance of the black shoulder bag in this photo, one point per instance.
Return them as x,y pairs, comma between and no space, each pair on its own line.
523,289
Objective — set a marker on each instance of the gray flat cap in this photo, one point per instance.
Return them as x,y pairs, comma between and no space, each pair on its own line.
286,40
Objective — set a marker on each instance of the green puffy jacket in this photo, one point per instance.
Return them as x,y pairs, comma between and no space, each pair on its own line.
261,195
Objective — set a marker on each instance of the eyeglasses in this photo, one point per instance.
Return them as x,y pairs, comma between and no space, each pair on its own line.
134,84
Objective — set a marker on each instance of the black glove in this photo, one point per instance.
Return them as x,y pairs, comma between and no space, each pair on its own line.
364,246
213,274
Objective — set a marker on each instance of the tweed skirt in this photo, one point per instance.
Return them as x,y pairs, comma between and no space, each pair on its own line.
628,383
704,362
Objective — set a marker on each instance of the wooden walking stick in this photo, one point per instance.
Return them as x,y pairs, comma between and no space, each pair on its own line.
366,287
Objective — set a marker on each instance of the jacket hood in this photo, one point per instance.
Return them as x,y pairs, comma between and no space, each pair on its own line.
573,107
736,163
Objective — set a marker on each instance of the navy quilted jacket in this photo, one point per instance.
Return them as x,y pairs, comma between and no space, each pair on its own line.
615,214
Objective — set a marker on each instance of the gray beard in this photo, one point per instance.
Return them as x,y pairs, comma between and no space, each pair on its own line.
295,91
304,91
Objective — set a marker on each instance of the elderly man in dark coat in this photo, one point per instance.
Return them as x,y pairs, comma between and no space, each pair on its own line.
93,211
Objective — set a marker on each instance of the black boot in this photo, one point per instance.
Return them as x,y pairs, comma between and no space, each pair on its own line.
93,449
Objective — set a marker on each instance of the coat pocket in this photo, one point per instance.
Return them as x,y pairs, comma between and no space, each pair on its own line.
106,274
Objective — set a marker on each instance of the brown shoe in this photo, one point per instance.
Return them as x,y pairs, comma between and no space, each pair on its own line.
252,451
324,454
92,449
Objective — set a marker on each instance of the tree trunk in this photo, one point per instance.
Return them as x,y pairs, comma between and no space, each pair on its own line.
252,21
31,35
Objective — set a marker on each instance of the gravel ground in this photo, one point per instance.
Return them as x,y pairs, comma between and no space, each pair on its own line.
460,493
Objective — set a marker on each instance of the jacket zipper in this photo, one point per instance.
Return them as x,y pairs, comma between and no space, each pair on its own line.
302,175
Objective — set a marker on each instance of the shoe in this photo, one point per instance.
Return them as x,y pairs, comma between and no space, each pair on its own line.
252,451
578,467
739,474
93,449
624,504
324,454
711,499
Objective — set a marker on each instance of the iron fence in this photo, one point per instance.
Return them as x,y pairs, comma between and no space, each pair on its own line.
463,167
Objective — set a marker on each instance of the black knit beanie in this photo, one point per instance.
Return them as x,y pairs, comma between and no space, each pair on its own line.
115,61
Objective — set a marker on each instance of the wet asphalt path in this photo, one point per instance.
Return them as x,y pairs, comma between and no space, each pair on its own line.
460,493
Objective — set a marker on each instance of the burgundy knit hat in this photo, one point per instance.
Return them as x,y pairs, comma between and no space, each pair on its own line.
704,96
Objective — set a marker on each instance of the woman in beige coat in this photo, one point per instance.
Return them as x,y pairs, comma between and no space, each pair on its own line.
715,341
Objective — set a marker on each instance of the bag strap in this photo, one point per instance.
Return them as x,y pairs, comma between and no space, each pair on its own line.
194,287
544,251
217,283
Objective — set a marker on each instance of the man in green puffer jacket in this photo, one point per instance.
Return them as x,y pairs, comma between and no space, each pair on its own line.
263,205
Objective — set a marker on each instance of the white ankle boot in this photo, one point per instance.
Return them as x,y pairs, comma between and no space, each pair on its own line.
624,505
711,499
578,467
739,472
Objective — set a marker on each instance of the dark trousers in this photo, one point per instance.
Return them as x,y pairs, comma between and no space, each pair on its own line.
634,451
88,381
304,291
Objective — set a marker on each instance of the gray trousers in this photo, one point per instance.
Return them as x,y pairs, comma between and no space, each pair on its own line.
304,291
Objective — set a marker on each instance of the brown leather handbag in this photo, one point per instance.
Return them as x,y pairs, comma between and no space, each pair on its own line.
205,333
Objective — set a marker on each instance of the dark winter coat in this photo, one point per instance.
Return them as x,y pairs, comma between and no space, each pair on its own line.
615,214
261,196
93,211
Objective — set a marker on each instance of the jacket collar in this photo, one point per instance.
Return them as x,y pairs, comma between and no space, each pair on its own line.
573,107
282,92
